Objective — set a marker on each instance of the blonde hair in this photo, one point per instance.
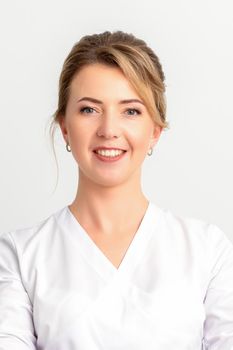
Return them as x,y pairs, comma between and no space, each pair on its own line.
138,62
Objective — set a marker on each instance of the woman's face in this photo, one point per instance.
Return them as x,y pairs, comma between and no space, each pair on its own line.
108,122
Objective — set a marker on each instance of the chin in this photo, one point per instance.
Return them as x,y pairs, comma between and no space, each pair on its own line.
110,182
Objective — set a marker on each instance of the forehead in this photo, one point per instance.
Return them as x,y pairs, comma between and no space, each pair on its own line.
99,80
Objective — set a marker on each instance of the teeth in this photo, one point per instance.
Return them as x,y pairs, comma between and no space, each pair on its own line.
109,153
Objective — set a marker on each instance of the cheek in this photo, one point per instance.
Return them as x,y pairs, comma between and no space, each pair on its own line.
78,141
77,133
140,139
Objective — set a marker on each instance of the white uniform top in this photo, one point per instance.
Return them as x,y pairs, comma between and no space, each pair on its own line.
173,289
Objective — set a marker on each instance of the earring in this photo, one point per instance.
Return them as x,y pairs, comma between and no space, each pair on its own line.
150,151
68,147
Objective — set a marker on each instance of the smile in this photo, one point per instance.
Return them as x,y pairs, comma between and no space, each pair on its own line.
109,156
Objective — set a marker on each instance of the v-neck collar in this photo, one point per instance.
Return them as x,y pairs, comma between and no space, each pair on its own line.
93,254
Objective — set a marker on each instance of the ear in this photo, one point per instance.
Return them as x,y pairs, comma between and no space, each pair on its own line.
157,130
62,124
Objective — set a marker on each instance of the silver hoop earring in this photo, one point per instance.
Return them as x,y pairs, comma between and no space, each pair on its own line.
68,147
150,151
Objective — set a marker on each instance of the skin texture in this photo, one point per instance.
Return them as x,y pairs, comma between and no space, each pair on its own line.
108,194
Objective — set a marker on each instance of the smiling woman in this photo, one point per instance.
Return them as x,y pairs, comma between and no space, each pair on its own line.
104,70
106,124
112,270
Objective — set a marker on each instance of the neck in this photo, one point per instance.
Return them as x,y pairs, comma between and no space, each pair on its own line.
109,210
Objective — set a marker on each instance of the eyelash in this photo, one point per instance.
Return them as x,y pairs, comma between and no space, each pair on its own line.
129,109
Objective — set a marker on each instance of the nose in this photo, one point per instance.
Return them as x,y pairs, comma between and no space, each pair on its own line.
109,126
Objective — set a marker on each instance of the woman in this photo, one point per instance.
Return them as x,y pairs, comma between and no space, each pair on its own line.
113,270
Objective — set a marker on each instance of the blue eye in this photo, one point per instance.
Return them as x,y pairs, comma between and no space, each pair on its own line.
135,110
84,108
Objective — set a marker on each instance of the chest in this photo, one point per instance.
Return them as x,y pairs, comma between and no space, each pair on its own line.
154,306
114,247
125,315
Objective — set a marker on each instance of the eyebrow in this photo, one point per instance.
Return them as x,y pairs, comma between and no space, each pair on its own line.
91,99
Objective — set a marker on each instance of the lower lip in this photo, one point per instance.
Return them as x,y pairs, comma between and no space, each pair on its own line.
109,159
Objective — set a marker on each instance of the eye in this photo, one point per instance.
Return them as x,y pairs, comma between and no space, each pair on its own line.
134,110
89,110
82,110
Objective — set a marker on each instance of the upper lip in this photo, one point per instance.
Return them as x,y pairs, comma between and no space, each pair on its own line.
108,148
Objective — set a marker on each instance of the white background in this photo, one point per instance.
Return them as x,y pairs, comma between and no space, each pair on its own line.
190,171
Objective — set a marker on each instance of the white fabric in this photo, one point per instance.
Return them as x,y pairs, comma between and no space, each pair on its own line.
173,289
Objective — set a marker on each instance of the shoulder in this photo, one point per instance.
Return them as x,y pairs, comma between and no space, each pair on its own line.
192,229
200,235
180,224
21,238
